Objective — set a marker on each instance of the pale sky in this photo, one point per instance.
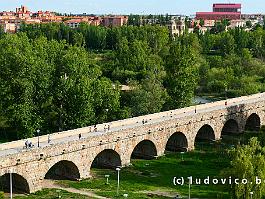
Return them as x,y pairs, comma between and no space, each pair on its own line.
186,7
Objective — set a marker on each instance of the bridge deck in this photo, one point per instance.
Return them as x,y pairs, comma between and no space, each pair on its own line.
72,135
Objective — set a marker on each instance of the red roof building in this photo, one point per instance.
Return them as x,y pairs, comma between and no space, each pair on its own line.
223,7
221,11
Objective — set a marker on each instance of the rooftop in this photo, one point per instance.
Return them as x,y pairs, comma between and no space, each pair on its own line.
227,5
218,13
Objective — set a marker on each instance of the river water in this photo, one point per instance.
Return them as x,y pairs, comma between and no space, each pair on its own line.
202,100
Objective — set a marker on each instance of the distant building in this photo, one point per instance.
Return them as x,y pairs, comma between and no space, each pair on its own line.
176,27
112,21
76,21
11,20
230,7
209,23
237,23
22,9
221,11
259,17
9,27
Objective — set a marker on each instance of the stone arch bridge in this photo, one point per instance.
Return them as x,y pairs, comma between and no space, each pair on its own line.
68,157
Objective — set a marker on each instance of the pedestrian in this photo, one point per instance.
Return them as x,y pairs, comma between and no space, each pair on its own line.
30,145
226,103
95,128
105,128
27,144
108,127
143,121
49,139
79,136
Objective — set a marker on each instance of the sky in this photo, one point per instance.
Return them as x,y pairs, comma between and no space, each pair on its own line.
185,7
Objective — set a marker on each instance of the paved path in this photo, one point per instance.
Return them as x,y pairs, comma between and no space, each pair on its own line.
51,185
86,132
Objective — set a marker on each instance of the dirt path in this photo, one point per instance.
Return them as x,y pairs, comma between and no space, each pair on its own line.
159,193
164,194
52,185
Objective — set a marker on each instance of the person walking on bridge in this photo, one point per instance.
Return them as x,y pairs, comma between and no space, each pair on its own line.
49,139
27,144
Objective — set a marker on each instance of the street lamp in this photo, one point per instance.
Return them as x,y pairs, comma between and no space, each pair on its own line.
106,115
58,191
189,185
182,152
118,185
38,132
226,95
107,177
251,194
11,184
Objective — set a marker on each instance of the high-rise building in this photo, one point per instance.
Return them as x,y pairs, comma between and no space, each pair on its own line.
224,7
231,11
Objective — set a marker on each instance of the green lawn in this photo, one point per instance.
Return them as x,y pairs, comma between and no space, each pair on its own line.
52,194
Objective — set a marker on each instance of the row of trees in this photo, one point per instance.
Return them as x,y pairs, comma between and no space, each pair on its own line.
51,85
56,78
230,61
234,62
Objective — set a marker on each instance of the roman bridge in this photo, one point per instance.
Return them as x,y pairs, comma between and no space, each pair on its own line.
68,157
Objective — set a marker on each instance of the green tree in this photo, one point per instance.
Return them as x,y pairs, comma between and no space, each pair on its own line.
72,89
78,39
247,162
182,71
226,43
147,97
248,24
134,20
17,62
201,22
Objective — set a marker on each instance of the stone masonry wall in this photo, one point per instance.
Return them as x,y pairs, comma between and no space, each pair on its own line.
33,164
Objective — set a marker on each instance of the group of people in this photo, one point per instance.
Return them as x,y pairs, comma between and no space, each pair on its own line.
106,127
28,144
144,121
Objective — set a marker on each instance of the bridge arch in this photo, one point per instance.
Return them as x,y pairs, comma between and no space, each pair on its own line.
145,149
206,132
63,170
177,142
19,183
108,158
231,126
253,122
